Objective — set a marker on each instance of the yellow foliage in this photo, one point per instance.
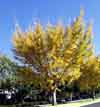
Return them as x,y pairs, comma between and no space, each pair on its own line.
56,53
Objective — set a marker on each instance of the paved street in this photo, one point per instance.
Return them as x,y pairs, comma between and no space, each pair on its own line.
93,105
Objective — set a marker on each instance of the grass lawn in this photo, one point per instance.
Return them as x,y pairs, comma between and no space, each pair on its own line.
77,103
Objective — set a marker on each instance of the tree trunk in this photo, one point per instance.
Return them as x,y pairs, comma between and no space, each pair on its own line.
71,96
93,94
54,101
50,98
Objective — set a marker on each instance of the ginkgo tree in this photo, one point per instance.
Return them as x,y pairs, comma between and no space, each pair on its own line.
53,54
84,42
90,78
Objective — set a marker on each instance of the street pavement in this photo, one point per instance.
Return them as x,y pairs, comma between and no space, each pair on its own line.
93,105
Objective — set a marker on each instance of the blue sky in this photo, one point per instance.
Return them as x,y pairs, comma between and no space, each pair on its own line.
24,12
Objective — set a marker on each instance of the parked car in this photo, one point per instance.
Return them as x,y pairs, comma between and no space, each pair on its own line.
61,100
11,96
7,96
85,96
28,98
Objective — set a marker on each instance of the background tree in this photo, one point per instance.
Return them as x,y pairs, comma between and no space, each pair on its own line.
7,71
84,45
90,78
